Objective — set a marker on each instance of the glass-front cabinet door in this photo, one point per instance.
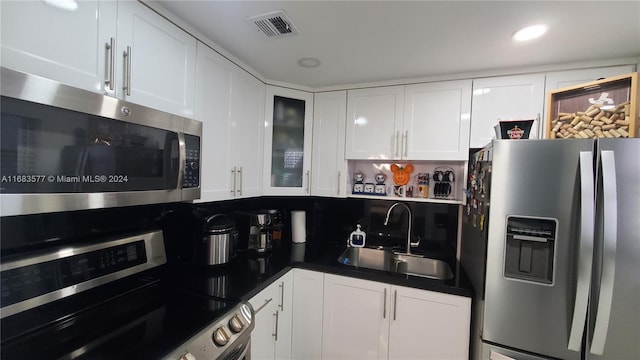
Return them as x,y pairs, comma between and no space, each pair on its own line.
287,146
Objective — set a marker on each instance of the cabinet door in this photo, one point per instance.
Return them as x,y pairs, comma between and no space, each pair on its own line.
263,343
436,121
374,123
328,165
247,133
505,98
159,67
355,321
287,145
68,46
306,329
284,286
213,103
560,79
428,325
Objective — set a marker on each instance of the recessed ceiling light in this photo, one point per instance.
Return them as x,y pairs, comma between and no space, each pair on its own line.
309,62
530,33
69,5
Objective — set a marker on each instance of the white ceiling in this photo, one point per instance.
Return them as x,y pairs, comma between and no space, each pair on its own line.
367,41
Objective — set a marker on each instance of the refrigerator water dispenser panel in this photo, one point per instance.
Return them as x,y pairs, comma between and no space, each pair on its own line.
530,249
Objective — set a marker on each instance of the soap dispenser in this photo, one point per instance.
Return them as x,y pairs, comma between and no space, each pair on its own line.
357,238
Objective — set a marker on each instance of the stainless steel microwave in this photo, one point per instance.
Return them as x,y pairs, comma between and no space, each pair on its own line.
67,149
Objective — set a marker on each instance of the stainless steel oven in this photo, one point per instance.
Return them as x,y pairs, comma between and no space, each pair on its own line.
114,298
65,149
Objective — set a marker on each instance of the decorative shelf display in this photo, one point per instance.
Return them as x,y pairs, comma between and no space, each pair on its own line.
421,181
605,108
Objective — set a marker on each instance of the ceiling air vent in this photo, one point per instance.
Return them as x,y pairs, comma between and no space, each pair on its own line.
274,24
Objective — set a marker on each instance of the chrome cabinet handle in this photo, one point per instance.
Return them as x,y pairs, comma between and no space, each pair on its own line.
281,306
275,334
127,66
308,181
587,213
240,187
384,305
395,304
405,142
266,302
111,55
338,182
609,223
233,188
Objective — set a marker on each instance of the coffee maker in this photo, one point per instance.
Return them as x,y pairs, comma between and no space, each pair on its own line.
263,227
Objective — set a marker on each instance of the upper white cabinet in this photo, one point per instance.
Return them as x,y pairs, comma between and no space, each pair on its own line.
416,122
328,162
67,46
247,133
157,60
372,115
230,104
306,333
121,49
287,141
505,98
436,121
356,319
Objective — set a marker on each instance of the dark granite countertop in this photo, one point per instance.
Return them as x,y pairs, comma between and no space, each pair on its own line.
248,274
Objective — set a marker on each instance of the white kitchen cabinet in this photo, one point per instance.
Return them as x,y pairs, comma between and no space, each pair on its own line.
287,141
561,79
271,337
329,169
428,325
355,319
436,121
372,115
505,98
306,334
213,108
230,104
157,60
66,46
247,133
121,49
364,319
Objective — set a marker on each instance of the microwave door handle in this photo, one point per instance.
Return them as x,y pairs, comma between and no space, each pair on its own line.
610,233
585,256
182,152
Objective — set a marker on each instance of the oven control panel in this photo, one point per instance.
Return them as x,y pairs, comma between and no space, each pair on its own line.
228,337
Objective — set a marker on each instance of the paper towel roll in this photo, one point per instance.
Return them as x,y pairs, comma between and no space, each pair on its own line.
298,226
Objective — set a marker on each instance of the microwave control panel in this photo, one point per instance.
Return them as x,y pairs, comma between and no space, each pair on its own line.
192,159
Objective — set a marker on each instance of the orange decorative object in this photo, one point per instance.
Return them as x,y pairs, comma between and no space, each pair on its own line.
401,175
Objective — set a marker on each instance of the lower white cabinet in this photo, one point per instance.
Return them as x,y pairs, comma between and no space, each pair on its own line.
306,334
271,337
355,319
428,325
369,320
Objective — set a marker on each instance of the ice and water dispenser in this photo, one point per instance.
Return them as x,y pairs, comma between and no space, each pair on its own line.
530,248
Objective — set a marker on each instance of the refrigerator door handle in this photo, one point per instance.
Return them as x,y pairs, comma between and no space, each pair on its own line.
610,234
585,257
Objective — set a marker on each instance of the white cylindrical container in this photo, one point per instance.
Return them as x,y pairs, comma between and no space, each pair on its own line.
298,226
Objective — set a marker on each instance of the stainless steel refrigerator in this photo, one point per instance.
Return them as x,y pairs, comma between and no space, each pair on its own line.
551,242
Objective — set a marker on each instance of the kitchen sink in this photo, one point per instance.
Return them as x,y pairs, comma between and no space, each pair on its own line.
377,259
387,260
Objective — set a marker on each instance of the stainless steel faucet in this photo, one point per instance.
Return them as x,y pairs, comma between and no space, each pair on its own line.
410,215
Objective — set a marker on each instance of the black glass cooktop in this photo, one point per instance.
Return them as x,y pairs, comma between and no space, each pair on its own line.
145,323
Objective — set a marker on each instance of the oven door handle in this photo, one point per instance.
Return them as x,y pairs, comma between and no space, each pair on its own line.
182,155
